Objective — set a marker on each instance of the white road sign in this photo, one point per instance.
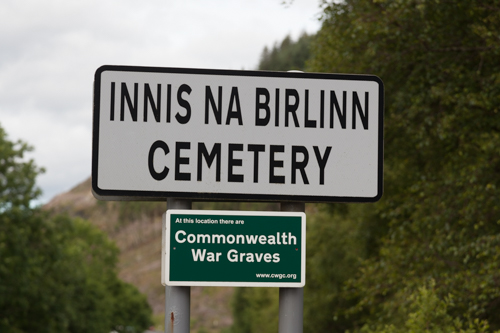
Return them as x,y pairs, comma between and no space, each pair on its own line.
236,135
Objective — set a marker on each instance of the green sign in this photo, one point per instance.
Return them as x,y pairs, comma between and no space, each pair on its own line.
233,248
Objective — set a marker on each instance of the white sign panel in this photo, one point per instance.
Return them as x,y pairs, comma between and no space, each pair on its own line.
237,135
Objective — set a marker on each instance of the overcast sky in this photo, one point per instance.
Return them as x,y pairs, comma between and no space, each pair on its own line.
50,50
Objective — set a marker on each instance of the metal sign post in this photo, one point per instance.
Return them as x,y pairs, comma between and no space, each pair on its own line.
177,299
291,300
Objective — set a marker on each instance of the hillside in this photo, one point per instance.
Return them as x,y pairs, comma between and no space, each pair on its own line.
136,229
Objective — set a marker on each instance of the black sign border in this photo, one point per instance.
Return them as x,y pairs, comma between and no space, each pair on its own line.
126,195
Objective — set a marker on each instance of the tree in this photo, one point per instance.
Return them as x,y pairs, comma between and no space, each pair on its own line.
439,63
338,237
439,217
17,177
287,55
427,313
57,274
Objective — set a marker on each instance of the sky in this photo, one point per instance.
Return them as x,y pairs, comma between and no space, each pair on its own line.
50,50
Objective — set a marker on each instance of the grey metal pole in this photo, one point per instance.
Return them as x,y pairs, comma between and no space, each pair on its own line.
177,299
291,306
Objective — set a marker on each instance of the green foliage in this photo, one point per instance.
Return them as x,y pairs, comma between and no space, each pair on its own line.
57,274
426,313
288,55
439,63
255,310
17,177
337,237
131,311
